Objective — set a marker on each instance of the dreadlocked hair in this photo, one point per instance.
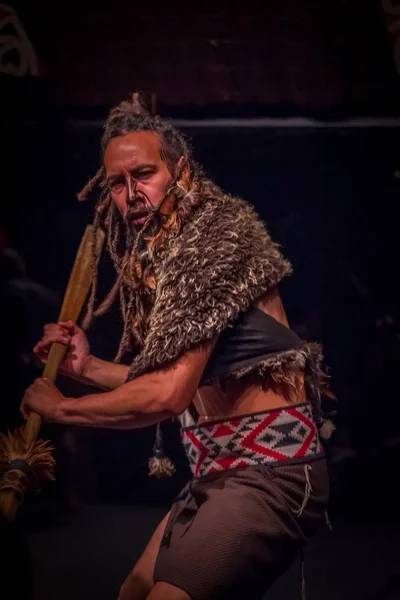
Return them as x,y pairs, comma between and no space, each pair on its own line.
132,254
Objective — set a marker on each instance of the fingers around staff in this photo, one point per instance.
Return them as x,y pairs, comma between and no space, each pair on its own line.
54,328
47,340
41,385
69,326
23,410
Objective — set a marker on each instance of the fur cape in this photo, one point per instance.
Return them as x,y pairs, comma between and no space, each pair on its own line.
207,271
219,262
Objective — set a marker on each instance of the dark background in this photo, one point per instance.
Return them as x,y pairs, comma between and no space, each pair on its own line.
328,187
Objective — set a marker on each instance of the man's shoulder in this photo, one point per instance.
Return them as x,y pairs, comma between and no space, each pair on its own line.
221,232
224,213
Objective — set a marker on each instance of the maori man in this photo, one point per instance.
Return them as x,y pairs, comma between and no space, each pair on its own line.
196,278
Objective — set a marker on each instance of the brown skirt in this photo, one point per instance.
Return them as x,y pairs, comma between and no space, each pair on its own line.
231,534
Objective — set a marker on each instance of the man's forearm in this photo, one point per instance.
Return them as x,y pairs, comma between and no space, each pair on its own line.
103,374
133,405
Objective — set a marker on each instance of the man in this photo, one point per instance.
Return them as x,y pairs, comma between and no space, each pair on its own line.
196,278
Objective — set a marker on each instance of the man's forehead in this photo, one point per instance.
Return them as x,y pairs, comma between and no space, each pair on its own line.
141,146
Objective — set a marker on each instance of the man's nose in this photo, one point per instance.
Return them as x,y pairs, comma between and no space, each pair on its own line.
131,185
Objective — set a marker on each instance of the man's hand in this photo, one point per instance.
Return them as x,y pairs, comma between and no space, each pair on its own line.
78,350
42,397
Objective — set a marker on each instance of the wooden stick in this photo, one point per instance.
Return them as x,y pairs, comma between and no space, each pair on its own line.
75,296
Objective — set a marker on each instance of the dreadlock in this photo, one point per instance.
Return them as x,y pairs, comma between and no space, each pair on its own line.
132,255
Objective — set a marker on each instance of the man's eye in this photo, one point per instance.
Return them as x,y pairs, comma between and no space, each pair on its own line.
145,175
117,187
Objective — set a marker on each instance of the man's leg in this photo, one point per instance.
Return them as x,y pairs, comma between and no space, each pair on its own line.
139,582
166,591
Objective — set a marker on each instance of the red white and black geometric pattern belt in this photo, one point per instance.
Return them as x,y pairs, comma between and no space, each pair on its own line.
248,440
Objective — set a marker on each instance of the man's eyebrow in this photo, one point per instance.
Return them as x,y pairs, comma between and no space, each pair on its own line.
142,167
136,169
113,178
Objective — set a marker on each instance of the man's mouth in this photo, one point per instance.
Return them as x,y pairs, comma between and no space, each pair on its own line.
138,217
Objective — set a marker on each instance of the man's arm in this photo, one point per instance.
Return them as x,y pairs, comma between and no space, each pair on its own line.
153,397
78,363
106,375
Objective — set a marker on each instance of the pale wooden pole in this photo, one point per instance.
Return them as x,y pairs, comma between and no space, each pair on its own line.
20,451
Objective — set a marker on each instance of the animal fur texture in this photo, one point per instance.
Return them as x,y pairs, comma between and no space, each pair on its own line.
222,259
208,272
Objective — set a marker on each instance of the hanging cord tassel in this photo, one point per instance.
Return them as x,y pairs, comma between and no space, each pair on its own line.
307,491
159,464
326,429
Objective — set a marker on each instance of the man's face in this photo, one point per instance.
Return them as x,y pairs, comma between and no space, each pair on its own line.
137,176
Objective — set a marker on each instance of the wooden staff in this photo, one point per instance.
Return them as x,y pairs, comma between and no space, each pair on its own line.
25,460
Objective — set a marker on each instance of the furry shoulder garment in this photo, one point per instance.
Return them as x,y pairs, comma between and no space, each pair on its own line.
221,260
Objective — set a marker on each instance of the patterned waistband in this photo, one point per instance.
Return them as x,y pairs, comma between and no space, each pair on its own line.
248,440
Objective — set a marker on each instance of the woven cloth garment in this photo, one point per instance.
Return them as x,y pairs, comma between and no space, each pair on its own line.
231,534
247,440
